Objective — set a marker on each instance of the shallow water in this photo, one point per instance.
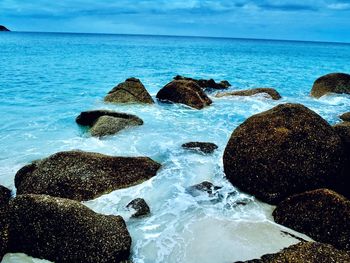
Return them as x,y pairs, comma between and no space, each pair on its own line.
46,80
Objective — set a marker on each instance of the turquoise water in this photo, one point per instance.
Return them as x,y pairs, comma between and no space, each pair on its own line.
46,80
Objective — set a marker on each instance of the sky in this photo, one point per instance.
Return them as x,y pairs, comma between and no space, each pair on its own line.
315,20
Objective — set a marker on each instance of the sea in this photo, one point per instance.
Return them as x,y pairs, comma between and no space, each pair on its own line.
47,79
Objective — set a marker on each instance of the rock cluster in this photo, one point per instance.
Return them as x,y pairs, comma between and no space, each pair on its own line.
206,84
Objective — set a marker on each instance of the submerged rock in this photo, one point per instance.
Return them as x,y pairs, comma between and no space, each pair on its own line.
5,195
82,175
331,83
63,230
345,116
204,147
3,28
203,83
185,92
321,214
105,122
108,125
205,186
305,252
130,91
272,93
286,150
140,206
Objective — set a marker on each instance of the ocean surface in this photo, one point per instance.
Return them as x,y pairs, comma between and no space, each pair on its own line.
46,80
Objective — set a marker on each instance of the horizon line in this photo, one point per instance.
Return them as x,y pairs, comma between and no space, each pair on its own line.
193,36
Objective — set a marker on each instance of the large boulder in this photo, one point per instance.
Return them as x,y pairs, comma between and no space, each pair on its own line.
305,252
82,175
286,150
206,83
105,122
204,147
63,230
331,83
130,91
270,92
5,195
345,116
185,92
321,214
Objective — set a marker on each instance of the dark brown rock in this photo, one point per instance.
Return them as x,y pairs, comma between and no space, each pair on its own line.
343,130
204,147
185,92
130,91
345,116
321,214
305,252
206,84
272,93
331,83
89,118
140,206
5,195
63,230
3,28
82,175
286,150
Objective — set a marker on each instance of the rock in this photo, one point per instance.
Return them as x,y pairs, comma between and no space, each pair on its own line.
130,91
271,93
140,206
185,92
286,150
205,186
321,214
204,147
82,175
63,230
204,84
334,83
89,118
345,116
343,130
3,28
305,252
5,195
108,125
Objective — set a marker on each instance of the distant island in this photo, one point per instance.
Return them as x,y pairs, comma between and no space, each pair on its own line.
3,28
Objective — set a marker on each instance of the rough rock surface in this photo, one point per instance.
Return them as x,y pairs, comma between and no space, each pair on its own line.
305,252
345,116
89,118
204,147
108,125
5,195
321,214
3,28
140,206
82,175
286,150
185,92
63,230
331,83
130,91
272,93
206,84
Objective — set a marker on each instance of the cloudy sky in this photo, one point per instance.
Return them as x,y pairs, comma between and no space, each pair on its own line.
318,20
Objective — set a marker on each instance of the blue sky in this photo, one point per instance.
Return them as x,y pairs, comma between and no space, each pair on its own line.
272,19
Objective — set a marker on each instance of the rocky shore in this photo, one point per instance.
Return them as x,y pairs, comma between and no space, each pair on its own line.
288,156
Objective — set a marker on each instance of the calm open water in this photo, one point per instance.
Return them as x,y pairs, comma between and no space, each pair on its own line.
47,79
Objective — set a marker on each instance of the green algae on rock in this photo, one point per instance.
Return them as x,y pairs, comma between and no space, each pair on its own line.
322,214
286,150
331,83
82,175
130,91
305,252
63,230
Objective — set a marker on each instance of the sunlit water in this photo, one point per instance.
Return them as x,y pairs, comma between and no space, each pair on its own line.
46,80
